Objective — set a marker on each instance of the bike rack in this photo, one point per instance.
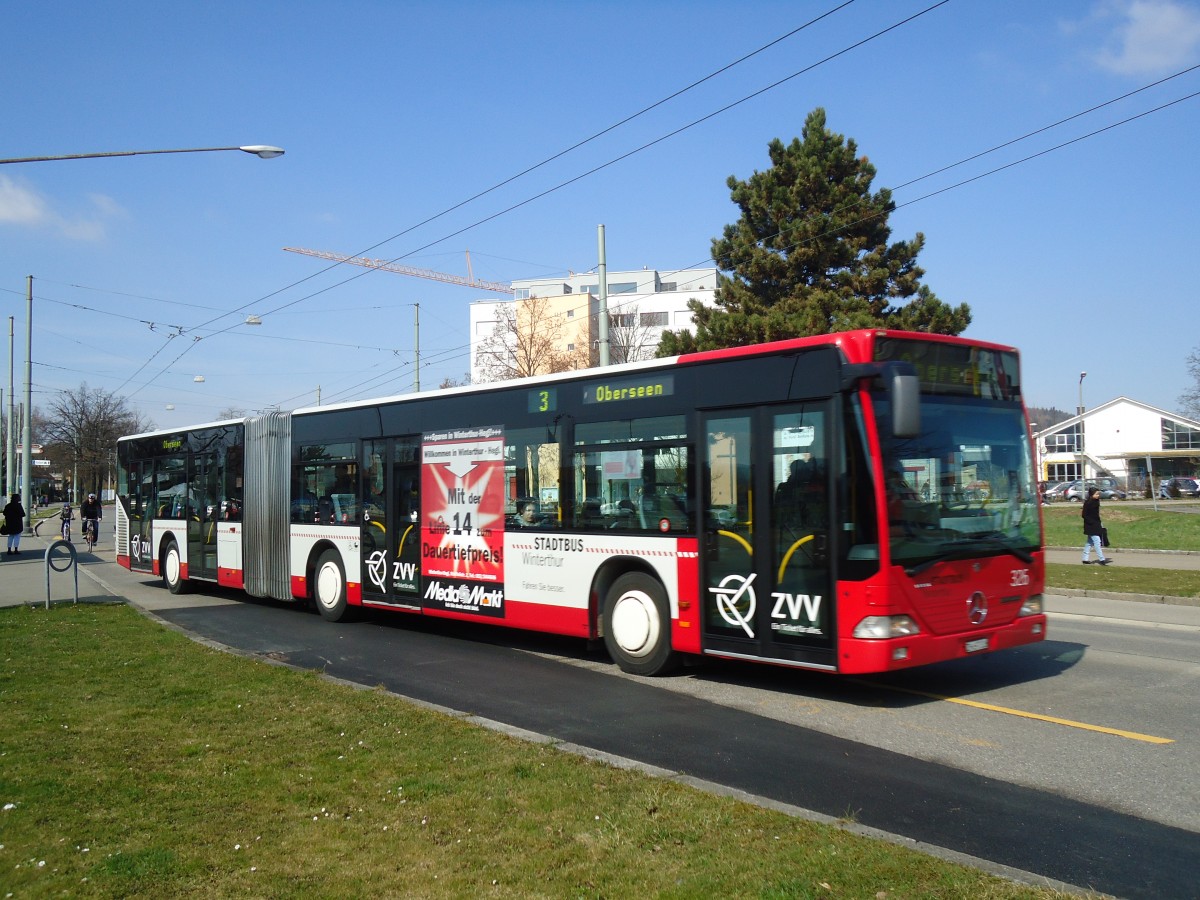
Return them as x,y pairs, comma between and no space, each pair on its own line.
63,552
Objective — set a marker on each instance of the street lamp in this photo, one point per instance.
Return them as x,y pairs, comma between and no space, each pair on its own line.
262,151
1082,458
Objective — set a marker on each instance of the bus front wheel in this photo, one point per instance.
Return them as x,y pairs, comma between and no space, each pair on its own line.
329,586
637,626
172,569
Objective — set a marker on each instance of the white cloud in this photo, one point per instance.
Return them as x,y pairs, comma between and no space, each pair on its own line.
24,207
1152,36
20,205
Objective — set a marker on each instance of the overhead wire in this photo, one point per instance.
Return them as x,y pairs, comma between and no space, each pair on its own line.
979,176
621,158
487,191
551,158
558,155
997,147
857,44
624,156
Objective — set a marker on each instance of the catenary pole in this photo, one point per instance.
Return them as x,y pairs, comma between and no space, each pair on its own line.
603,323
10,475
27,431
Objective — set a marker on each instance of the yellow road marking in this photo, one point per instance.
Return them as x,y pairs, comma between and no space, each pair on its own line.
1131,735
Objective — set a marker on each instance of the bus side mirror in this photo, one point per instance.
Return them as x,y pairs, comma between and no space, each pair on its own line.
905,395
903,388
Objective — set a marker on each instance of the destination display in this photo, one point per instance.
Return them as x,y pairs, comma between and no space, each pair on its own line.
956,370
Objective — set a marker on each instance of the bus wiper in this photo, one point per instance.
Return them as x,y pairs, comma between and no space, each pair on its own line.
967,548
960,553
997,539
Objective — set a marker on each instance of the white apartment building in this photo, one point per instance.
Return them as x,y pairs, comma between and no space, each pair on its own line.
642,304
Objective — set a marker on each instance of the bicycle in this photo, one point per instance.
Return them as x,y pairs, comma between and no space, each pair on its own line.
65,528
91,529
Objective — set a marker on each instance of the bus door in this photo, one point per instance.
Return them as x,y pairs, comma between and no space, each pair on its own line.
391,546
766,576
203,510
140,504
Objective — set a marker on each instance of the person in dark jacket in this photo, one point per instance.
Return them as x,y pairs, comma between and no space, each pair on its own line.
1093,528
14,524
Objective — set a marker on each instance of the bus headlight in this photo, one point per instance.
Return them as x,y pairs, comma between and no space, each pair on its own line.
1032,606
878,628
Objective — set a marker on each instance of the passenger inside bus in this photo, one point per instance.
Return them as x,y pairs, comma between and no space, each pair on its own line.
527,516
800,502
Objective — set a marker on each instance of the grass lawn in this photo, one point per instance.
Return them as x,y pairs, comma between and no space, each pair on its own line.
1172,527
1123,579
1130,527
135,763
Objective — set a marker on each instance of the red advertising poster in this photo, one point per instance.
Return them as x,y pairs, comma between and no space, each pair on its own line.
462,534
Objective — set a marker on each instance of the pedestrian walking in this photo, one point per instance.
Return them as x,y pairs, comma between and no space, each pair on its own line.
1093,528
14,524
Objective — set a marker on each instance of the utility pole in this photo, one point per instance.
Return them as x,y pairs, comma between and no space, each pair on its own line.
603,324
10,477
27,431
1082,456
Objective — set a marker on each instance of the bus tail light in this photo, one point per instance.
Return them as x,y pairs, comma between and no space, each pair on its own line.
1032,606
878,628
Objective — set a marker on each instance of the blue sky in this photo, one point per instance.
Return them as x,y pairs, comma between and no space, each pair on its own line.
392,113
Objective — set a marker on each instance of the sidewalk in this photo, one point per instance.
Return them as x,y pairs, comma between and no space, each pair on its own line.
1120,607
23,581
23,577
1145,559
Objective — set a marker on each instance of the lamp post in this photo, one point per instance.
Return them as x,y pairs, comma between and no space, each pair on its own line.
263,151
1082,458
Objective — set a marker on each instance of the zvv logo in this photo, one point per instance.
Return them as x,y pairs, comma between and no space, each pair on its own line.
377,568
736,601
789,606
404,574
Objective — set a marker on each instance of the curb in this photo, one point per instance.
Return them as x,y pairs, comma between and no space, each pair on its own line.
1137,550
1135,598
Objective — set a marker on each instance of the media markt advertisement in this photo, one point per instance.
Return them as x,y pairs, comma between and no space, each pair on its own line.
462,533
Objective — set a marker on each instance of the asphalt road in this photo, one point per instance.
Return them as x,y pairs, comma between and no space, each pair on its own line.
554,688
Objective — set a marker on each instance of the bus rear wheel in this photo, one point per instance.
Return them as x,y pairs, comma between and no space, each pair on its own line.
329,587
637,626
172,569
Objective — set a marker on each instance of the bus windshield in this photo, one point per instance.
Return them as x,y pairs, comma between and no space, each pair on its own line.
964,487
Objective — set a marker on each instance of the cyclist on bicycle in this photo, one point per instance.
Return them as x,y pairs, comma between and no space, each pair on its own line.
90,514
66,514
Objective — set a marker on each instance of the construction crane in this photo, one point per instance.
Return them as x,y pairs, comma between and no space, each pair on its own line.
386,266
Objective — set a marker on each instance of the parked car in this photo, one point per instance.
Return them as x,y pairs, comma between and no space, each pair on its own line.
1055,490
1073,490
1109,490
1179,486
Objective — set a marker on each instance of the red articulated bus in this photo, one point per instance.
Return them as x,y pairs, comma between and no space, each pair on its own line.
855,502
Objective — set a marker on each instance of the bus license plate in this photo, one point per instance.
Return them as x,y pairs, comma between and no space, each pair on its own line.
976,645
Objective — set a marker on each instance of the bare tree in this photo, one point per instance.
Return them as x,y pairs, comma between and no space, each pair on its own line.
1189,400
630,339
531,339
449,382
80,429
231,412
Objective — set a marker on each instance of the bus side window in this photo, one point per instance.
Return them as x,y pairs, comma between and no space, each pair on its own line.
533,466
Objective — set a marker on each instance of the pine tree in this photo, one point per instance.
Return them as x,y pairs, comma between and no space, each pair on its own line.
810,254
